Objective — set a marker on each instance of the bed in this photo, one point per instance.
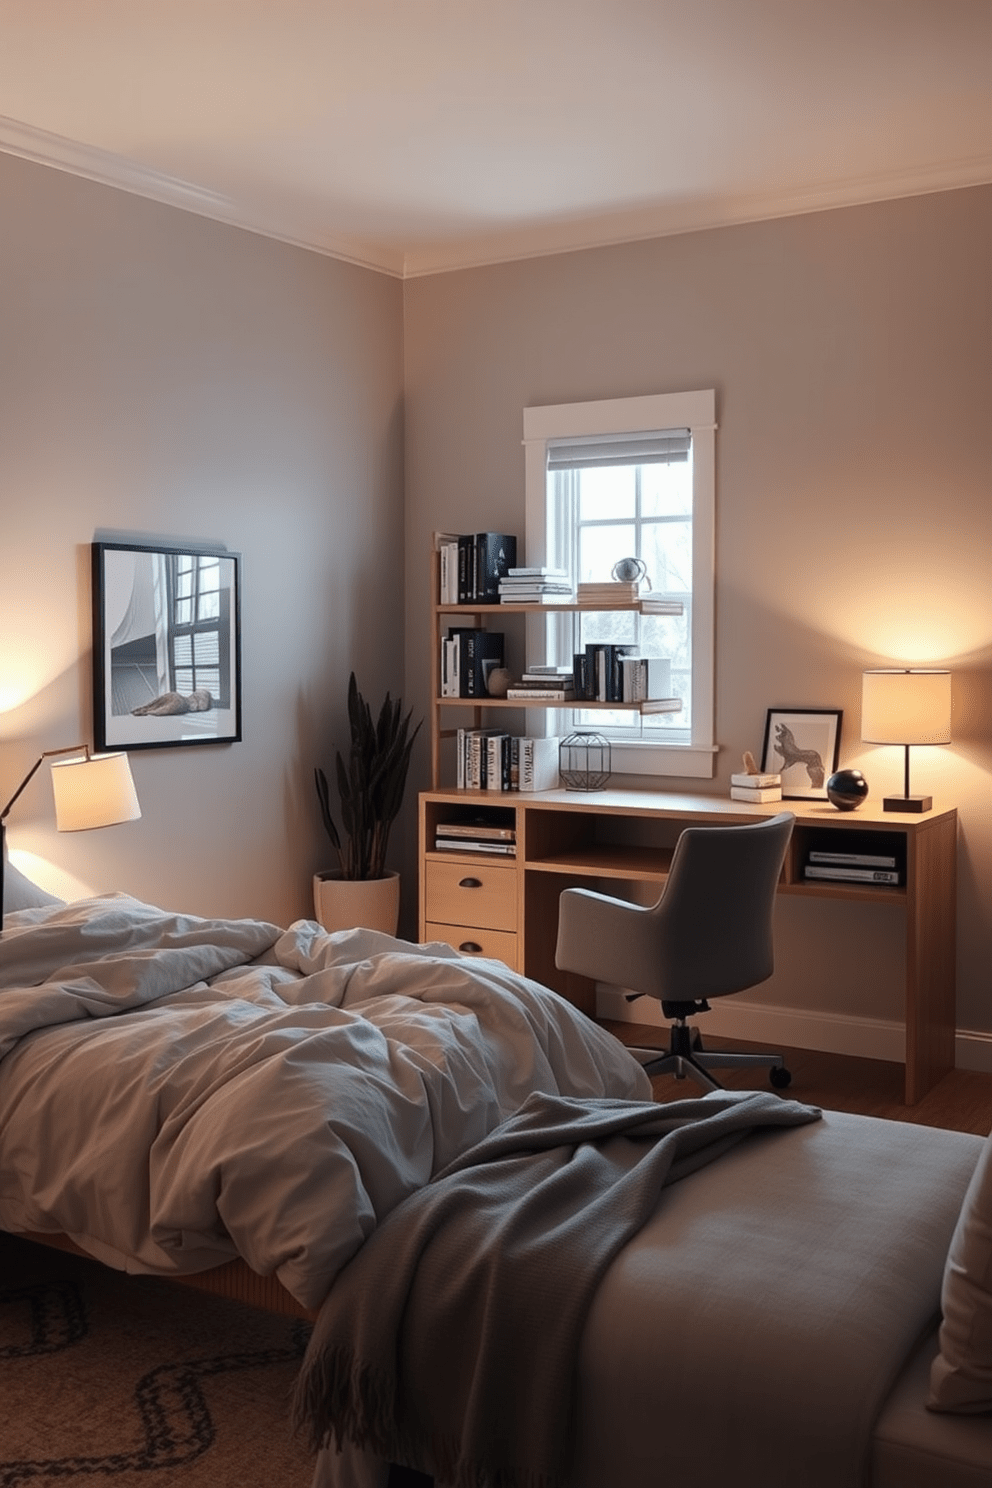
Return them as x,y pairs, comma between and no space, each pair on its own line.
281,1101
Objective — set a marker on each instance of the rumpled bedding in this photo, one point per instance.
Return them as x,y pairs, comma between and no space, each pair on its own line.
175,1091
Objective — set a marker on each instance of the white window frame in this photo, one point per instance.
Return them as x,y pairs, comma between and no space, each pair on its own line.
695,411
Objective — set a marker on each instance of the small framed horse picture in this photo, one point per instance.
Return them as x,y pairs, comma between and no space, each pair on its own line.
802,745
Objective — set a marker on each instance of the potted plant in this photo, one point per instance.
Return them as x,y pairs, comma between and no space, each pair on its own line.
370,785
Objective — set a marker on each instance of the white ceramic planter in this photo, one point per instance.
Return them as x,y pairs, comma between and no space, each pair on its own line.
342,903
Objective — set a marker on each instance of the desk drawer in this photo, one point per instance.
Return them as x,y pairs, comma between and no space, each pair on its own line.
471,893
474,942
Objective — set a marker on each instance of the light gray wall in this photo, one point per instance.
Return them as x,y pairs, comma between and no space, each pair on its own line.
851,352
163,374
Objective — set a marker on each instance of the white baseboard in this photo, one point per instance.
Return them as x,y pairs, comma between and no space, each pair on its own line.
835,1033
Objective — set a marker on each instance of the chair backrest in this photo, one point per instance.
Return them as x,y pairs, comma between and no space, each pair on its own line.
714,919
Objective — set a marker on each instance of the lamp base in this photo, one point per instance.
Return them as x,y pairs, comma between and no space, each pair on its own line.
907,803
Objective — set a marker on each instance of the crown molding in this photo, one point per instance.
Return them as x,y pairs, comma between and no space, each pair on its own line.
667,219
109,169
507,245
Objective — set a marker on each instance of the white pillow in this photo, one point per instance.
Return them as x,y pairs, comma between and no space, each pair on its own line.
961,1374
20,893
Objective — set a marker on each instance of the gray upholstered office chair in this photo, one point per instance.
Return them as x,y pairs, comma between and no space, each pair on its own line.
709,935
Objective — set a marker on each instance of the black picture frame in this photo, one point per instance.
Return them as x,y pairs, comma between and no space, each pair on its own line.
166,645
803,746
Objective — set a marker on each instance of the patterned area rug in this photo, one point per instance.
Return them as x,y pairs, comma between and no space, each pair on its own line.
143,1381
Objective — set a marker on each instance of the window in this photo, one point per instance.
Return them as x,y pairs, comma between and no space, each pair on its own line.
631,477
195,630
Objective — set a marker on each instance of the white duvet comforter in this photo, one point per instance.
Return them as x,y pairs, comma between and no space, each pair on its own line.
175,1091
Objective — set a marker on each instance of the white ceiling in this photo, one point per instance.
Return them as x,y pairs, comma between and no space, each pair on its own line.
419,135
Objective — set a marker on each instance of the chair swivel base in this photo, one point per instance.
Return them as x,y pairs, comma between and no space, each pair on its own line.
686,1056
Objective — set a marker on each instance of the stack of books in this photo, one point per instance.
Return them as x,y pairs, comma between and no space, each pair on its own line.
478,836
486,759
472,565
539,585
654,602
755,787
609,593
544,684
853,867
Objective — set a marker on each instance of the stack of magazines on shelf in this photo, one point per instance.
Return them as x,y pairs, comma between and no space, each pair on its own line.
476,836
868,867
488,759
540,585
546,684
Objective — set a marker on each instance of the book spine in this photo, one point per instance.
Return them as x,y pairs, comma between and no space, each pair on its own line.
466,569
460,747
853,860
541,694
852,875
494,762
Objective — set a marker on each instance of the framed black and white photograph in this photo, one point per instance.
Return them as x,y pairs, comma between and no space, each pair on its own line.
802,745
166,646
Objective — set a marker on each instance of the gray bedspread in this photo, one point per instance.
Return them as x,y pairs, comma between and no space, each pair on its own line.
450,1341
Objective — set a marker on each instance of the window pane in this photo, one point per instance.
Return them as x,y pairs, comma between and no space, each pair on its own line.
666,490
206,648
600,547
208,606
608,493
666,548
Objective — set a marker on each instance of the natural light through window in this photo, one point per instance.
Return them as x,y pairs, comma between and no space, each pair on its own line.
632,478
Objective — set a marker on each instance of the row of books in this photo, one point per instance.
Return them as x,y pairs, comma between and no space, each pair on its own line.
478,835
488,759
468,654
853,867
608,673
472,565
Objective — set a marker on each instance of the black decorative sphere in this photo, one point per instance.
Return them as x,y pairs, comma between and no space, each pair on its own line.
847,789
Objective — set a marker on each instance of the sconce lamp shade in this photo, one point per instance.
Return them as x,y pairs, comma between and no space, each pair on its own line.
94,792
906,707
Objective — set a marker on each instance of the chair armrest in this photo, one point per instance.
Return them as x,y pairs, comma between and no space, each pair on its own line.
606,939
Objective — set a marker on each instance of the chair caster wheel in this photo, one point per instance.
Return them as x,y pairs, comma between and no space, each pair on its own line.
780,1077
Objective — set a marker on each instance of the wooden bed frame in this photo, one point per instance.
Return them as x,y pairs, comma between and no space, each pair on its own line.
234,1279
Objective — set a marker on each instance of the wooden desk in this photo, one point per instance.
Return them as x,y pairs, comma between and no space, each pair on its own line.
508,906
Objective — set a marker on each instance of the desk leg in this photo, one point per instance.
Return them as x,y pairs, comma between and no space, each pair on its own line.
930,957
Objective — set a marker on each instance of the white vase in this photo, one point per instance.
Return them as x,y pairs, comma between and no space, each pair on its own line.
342,903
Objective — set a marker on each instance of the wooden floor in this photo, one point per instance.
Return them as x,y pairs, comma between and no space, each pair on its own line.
962,1101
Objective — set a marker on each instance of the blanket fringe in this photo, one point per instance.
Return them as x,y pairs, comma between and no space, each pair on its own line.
340,1399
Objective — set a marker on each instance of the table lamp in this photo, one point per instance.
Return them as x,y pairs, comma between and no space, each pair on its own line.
906,706
95,791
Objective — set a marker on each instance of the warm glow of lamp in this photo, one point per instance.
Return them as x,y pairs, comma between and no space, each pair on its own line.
95,791
900,706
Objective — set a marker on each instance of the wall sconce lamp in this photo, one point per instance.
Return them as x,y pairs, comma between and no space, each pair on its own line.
900,706
95,791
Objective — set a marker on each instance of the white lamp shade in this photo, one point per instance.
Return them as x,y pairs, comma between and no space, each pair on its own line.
95,792
906,707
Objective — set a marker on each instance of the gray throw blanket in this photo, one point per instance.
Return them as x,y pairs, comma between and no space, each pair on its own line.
449,1342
